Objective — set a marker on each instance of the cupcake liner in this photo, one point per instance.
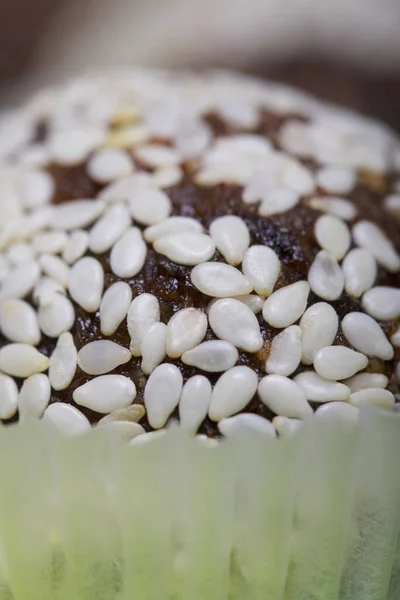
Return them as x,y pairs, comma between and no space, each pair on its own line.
315,516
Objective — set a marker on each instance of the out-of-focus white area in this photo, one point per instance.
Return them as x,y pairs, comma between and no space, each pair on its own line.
234,33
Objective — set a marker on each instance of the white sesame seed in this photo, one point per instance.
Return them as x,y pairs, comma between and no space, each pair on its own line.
56,314
63,362
109,228
162,393
336,180
340,207
49,242
318,389
382,302
219,280
106,393
133,414
375,396
395,339
341,412
231,237
18,322
325,276
156,155
213,356
243,421
128,254
114,306
67,418
149,206
102,356
171,226
166,177
192,138
360,271
297,177
234,322
45,289
8,397
186,248
153,347
148,438
55,268
254,302
232,392
333,235
284,397
185,330
285,426
370,236
319,326
20,281
35,221
108,164
34,397
19,253
285,306
392,203
124,430
71,146
143,312
4,267
285,353
365,335
278,200
261,266
194,403
22,360
86,280
121,189
76,246
363,381
75,214
36,188
339,362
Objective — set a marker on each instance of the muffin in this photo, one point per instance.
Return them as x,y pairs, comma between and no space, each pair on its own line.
218,256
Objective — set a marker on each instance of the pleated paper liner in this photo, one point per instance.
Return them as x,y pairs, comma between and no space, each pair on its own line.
315,517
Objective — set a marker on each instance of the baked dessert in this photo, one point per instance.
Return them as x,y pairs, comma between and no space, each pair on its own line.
213,251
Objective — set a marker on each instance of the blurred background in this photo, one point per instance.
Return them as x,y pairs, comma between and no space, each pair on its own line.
346,51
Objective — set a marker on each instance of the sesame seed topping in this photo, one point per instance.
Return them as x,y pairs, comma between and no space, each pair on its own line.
102,356
56,314
85,283
341,412
63,362
109,228
284,397
171,226
114,306
360,271
285,306
143,312
76,246
232,392
339,207
162,393
34,397
186,248
149,206
106,393
194,403
365,335
285,353
185,330
213,356
8,397
219,280
318,389
261,266
382,303
333,235
232,425
20,281
76,214
368,235
336,180
285,426
128,254
376,397
231,237
153,347
22,360
234,322
339,362
67,418
19,322
108,164
363,381
326,277
319,325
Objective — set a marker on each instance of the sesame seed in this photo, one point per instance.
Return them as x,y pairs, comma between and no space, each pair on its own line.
19,322
285,306
66,418
55,268
76,246
166,177
114,306
370,236
109,228
19,253
45,289
143,312
153,347
318,389
8,397
231,237
34,397
72,146
156,155
285,426
194,403
336,180
363,381
128,254
232,425
376,397
255,303
49,242
56,314
122,189
185,330
277,201
382,303
20,281
319,325
339,362
219,280
365,335
102,356
124,430
360,271
340,412
326,277
214,356
171,226
232,392
149,206
108,164
147,438
162,393
339,207
186,248
392,203
63,362
76,214
36,188
106,393
333,235
395,339
297,177
86,280
261,266
133,414
22,360
285,353
284,397
234,322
